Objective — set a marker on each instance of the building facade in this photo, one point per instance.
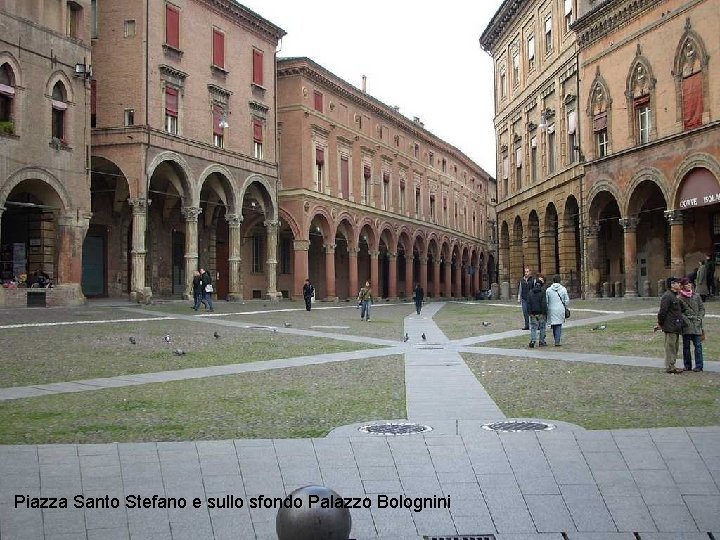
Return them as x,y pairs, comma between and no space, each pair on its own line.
367,194
44,145
651,137
536,126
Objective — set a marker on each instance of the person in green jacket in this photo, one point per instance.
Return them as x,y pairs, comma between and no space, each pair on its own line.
365,298
693,315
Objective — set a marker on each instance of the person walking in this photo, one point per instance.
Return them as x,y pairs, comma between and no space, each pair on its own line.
537,310
693,330
308,293
207,289
526,285
701,285
669,318
197,288
418,297
557,299
365,299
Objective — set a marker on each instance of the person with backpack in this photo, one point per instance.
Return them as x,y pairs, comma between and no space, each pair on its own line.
537,311
207,289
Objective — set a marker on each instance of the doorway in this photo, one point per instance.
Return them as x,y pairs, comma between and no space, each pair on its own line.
94,268
178,263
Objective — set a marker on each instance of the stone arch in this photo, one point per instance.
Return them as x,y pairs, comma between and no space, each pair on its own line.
6,57
266,189
601,186
325,224
630,206
35,174
226,190
182,182
288,218
60,76
698,160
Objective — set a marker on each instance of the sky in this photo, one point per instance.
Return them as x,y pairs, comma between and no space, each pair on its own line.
423,57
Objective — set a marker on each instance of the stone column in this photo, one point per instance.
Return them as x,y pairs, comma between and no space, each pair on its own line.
138,251
567,251
352,262
476,280
548,264
374,272
516,270
72,228
531,256
629,225
271,228
448,279
423,272
436,278
593,260
458,279
677,259
409,285
331,295
191,214
300,266
392,275
234,257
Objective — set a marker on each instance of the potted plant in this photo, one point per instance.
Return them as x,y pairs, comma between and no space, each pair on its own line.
7,127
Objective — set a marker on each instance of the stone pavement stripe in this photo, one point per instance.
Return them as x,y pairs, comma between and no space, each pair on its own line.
72,323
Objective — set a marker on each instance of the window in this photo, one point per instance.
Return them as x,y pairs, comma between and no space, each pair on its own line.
551,148
59,106
601,139
286,247
129,117
171,110
73,20
319,169
386,191
642,114
503,83
416,150
531,52
93,103
516,67
7,93
518,165
432,207
572,136
344,177
445,211
257,67
431,159
568,14
257,139
257,253
129,28
548,35
443,165
367,175
692,100
533,160
417,202
218,114
93,19
402,196
318,101
218,52
172,26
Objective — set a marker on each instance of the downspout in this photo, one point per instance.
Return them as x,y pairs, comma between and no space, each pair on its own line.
147,142
581,178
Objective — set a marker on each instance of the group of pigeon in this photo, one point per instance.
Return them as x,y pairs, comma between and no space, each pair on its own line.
407,337
178,351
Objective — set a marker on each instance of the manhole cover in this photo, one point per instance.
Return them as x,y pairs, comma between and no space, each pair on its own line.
395,428
519,425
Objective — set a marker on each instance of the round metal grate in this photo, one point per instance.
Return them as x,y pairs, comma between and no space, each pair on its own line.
519,425
395,428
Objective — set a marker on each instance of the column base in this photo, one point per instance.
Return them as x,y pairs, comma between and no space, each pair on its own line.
630,294
235,297
331,299
143,296
274,296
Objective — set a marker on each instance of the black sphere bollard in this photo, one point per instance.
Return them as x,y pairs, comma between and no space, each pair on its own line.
312,515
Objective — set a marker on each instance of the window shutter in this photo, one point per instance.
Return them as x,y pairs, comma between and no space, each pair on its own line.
568,7
59,105
518,157
600,121
548,25
642,100
344,176
7,90
218,49
692,93
505,166
531,47
533,142
319,156
572,122
257,67
551,128
402,183
318,101
172,26
258,132
93,96
366,172
171,101
217,118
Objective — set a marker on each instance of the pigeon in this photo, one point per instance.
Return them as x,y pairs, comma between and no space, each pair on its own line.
274,330
179,352
287,324
132,340
600,327
406,337
424,336
167,338
216,335
486,323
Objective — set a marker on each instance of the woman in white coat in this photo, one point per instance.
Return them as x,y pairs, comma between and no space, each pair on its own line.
557,298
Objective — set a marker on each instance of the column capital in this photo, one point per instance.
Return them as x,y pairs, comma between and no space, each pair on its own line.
329,248
374,253
139,205
391,256
675,217
191,213
301,245
75,219
423,259
271,225
233,220
436,262
353,251
447,264
629,224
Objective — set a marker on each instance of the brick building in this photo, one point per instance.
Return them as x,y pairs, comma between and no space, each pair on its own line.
367,194
44,144
536,126
651,137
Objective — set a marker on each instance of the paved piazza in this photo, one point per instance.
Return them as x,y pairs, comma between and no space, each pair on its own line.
566,483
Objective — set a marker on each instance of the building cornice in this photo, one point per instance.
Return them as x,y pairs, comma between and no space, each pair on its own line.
607,18
499,23
246,17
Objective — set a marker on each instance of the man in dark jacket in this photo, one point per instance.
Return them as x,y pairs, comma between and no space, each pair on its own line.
308,293
670,319
197,291
207,288
537,311
525,286
418,296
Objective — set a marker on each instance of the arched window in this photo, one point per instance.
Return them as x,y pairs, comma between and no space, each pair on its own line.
7,97
59,107
640,89
691,61
599,113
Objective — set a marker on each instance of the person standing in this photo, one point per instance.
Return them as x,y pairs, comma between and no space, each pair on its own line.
693,330
537,309
365,299
207,289
710,265
669,318
197,291
526,285
308,293
418,296
557,299
701,285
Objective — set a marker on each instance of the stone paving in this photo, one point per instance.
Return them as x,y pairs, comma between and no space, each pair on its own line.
568,483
